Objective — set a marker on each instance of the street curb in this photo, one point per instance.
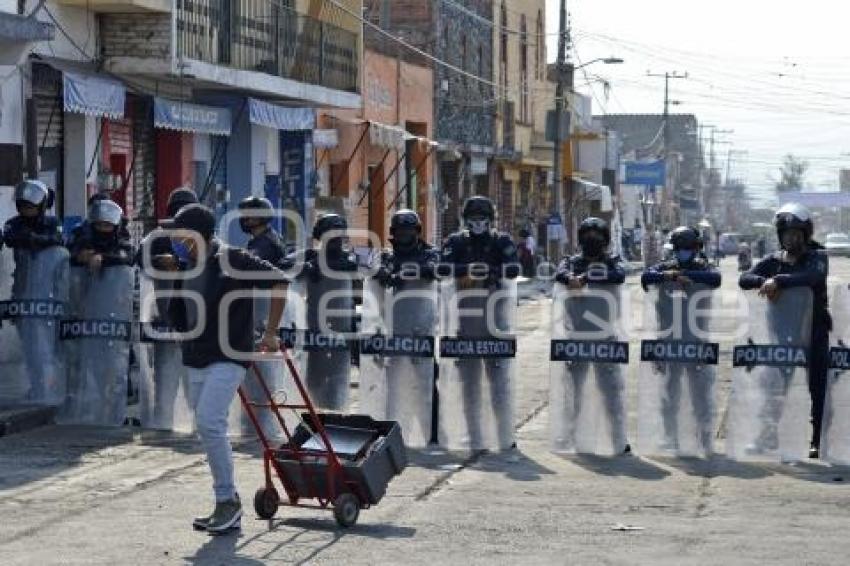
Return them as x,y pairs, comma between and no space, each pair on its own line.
20,419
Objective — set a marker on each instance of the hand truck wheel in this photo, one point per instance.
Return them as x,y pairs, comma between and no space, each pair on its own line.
346,509
266,502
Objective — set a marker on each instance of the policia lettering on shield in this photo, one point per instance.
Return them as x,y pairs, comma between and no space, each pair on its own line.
801,262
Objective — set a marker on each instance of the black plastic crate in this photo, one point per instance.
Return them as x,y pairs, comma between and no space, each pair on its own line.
371,466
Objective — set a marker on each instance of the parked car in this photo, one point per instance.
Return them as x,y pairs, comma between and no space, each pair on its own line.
837,244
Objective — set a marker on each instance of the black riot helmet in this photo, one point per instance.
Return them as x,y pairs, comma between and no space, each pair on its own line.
687,243
253,212
594,236
686,238
478,214
34,193
405,228
327,222
478,206
180,197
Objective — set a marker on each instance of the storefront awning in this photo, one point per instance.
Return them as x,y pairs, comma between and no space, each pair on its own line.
280,117
93,95
592,191
188,117
388,137
325,138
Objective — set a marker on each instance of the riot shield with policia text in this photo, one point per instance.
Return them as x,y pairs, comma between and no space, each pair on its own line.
477,365
769,405
96,339
835,435
31,355
587,380
397,343
677,372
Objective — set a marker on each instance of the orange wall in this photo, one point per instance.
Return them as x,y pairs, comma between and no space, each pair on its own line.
393,94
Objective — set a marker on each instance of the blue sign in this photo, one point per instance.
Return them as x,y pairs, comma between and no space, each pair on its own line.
554,220
296,169
187,117
653,173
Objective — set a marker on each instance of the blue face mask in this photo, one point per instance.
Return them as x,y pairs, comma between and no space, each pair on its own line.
685,256
181,251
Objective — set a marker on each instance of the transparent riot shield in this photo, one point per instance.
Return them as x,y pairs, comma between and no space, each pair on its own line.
397,342
676,383
587,381
477,369
13,387
769,405
835,434
97,339
164,382
32,358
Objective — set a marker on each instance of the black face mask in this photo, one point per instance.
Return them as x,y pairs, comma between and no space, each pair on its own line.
404,238
592,245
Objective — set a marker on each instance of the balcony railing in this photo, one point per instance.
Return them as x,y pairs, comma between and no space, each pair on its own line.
265,36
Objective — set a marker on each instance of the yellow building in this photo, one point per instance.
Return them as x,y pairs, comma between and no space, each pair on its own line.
523,96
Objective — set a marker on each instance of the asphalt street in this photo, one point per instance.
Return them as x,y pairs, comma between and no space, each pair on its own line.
114,496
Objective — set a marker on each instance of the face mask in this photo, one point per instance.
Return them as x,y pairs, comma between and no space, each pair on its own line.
685,256
478,226
592,245
181,250
404,238
244,225
793,241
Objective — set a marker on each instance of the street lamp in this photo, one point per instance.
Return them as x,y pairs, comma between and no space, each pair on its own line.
605,60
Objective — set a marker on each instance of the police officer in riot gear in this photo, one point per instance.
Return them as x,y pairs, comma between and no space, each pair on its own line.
255,218
479,257
98,242
688,264
478,249
410,256
687,267
594,263
32,229
334,250
801,262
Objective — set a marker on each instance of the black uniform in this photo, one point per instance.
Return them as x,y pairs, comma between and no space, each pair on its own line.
699,270
268,246
419,261
494,249
810,270
32,234
576,265
115,248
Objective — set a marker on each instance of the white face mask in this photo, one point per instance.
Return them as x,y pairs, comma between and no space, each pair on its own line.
478,226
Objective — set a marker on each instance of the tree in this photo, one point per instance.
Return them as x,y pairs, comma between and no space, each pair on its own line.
792,174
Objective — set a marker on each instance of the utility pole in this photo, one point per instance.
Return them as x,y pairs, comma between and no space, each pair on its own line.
666,125
564,74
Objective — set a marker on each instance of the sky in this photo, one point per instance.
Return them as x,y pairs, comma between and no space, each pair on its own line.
777,73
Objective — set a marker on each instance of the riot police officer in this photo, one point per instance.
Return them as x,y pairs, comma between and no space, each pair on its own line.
97,242
801,262
478,248
32,229
594,263
482,263
255,218
410,256
157,244
688,269
595,266
688,264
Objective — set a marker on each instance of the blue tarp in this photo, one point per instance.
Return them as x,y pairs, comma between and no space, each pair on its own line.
279,117
93,95
188,117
